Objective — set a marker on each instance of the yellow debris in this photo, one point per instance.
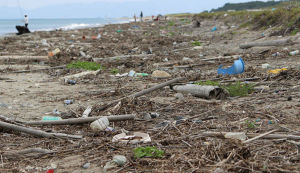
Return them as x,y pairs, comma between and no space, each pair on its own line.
277,71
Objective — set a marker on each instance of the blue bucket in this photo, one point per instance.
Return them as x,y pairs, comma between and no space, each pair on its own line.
238,67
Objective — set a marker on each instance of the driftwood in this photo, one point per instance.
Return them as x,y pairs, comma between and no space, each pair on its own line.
23,58
35,70
35,132
267,43
122,57
82,120
251,135
208,92
27,151
79,75
222,57
259,136
141,93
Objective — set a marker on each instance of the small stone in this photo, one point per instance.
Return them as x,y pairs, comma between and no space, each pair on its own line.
290,98
160,74
154,115
179,96
147,116
179,118
120,160
186,59
86,165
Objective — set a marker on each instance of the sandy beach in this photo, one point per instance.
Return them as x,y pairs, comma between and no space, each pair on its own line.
188,129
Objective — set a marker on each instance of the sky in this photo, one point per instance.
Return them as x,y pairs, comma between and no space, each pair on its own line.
10,9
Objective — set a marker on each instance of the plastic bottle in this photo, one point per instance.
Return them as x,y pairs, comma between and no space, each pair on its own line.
68,102
71,82
50,118
296,52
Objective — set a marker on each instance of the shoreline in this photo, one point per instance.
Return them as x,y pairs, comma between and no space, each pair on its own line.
74,26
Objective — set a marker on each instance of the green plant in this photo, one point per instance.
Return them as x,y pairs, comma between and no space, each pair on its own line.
238,89
84,65
141,152
295,31
234,89
250,124
211,83
114,71
171,23
196,43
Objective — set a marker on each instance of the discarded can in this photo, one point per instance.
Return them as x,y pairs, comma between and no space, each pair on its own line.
50,118
296,52
71,82
68,102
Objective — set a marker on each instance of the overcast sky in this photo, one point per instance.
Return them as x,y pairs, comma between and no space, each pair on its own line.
103,8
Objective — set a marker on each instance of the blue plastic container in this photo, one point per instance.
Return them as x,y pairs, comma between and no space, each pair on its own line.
238,67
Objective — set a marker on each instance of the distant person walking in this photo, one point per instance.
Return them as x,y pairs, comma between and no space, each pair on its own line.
26,21
141,16
134,18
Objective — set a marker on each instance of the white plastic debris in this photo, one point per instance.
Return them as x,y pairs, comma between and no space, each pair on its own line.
87,112
137,137
100,124
236,135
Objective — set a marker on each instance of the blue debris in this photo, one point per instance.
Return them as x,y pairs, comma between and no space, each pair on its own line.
214,29
238,67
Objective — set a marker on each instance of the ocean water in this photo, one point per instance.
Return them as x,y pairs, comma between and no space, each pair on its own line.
8,26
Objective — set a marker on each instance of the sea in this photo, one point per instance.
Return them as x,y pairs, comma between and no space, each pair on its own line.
8,26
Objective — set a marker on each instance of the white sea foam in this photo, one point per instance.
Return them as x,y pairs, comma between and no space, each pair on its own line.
79,26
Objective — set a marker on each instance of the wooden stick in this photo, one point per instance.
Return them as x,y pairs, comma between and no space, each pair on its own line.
50,68
259,136
34,132
82,120
23,58
26,151
121,57
267,43
141,93
252,135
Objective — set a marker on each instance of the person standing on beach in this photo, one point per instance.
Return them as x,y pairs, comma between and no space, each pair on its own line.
26,21
134,18
141,16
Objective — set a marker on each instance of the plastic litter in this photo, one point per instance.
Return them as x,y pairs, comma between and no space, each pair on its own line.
214,29
50,118
68,102
86,113
137,137
277,71
238,67
71,82
296,52
100,124
265,66
50,171
53,53
236,135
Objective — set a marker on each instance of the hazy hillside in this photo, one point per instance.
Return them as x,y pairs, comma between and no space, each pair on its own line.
247,5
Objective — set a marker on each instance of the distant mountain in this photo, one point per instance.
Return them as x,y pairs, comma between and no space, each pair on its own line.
247,5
